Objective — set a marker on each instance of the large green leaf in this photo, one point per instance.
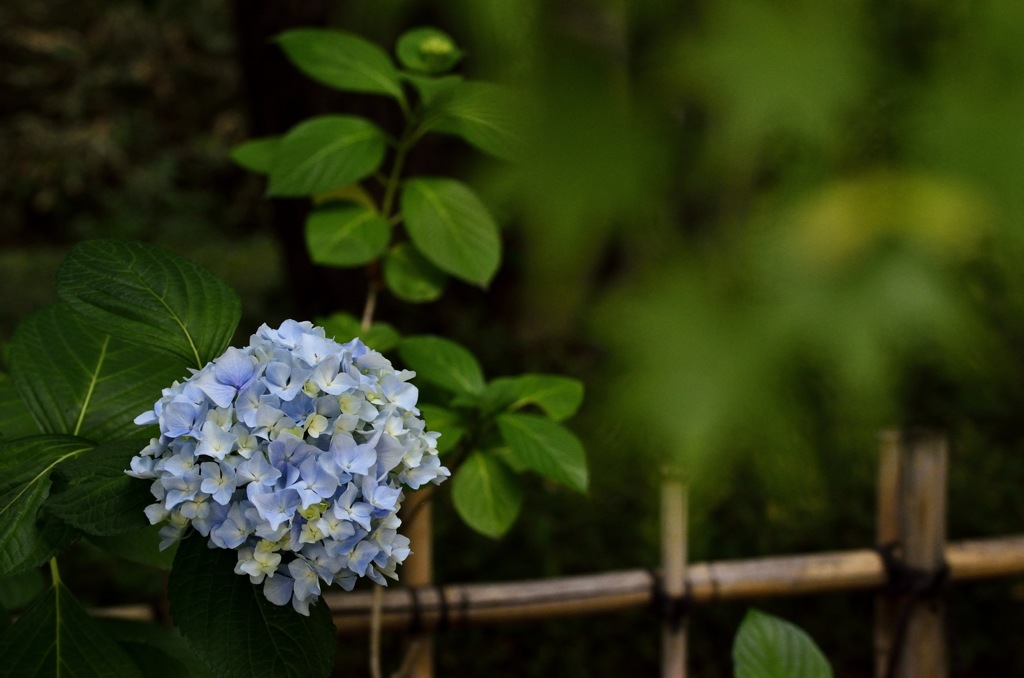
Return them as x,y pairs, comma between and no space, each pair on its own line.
559,397
482,114
51,537
17,591
138,546
15,419
487,494
57,637
160,652
410,276
146,295
769,647
346,234
23,459
343,327
26,539
78,381
541,445
443,363
430,87
95,495
446,422
452,228
256,155
325,153
235,629
342,60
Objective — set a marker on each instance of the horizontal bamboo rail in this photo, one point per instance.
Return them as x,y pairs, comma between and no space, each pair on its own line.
726,580
426,608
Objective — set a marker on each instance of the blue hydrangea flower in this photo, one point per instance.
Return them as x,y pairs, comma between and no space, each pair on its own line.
294,451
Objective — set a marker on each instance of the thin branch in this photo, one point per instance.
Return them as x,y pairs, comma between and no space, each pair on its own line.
371,304
415,647
375,626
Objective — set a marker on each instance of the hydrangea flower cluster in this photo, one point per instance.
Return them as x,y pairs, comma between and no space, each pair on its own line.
294,451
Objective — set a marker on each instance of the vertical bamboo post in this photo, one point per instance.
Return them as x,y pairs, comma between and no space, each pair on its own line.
418,571
888,531
912,518
673,568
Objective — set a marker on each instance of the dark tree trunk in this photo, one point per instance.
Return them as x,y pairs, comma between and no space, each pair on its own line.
278,96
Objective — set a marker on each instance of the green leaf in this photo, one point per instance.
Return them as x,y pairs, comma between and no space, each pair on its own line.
381,337
446,422
15,419
343,327
443,363
23,459
541,445
50,538
427,50
452,228
342,60
18,590
345,234
81,382
482,114
25,467
56,637
769,647
143,294
430,87
325,153
256,155
96,495
138,546
234,628
410,276
559,397
160,652
487,494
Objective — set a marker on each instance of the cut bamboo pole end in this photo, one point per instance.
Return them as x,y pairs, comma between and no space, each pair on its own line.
673,580
910,629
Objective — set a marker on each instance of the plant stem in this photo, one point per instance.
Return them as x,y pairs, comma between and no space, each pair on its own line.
410,657
54,571
372,287
387,206
396,174
375,623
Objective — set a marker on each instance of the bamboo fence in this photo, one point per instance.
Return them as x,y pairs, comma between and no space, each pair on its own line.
908,566
430,607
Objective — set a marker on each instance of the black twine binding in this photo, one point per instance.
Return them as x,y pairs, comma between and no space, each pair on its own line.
442,609
463,609
416,625
671,609
916,585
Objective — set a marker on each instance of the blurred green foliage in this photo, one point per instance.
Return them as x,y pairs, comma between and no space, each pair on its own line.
115,119
758,230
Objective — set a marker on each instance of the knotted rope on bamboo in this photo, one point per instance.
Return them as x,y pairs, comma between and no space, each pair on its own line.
416,624
672,609
914,585
901,579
